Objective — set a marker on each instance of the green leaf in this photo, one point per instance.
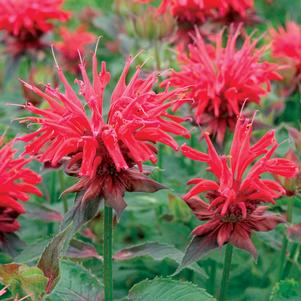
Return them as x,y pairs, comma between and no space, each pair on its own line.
23,280
74,219
197,248
166,289
286,290
49,262
76,284
157,251
32,252
80,213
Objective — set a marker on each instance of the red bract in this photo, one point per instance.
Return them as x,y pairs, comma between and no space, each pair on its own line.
72,43
104,153
221,79
25,22
16,183
234,209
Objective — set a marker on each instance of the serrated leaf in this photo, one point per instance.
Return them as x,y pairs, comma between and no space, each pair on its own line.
49,262
23,280
77,284
286,290
74,219
166,289
157,251
80,213
197,248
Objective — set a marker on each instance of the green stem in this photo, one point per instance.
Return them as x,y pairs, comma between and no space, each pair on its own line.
107,253
226,272
212,277
52,198
293,257
157,55
62,182
192,162
285,240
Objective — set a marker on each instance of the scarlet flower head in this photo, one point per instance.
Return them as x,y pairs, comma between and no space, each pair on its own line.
16,183
235,198
292,186
24,22
104,154
187,11
72,43
199,11
286,43
230,11
221,79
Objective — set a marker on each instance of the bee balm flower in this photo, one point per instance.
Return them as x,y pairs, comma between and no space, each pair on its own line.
221,79
234,209
25,22
104,153
16,183
72,43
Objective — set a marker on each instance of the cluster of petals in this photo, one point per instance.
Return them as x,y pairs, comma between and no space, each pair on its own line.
73,42
24,22
286,43
286,48
292,186
16,183
198,11
221,79
235,199
104,153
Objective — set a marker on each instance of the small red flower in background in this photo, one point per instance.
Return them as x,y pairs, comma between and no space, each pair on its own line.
234,210
221,79
72,43
104,154
286,47
199,11
16,183
292,186
25,22
286,43
230,11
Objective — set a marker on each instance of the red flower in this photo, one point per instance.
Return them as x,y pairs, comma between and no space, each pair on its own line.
104,153
230,11
234,209
198,11
292,186
26,21
286,43
16,183
221,79
72,43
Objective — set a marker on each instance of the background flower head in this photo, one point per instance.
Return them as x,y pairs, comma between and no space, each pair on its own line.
25,22
16,184
222,78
